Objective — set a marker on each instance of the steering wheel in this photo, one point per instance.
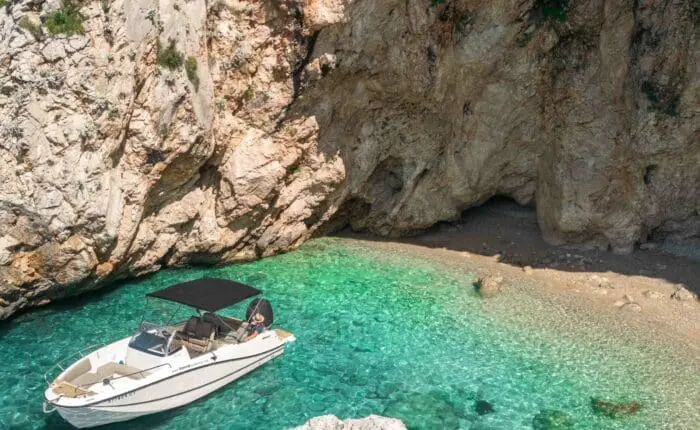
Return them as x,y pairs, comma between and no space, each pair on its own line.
165,333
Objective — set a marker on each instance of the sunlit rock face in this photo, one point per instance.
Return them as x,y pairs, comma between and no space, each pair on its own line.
302,117
372,422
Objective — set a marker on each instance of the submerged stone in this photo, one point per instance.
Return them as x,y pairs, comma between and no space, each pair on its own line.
614,410
551,419
424,410
482,407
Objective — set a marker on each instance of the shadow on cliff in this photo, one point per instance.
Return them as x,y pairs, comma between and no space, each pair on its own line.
502,228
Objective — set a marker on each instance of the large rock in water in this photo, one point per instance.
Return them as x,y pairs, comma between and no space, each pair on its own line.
614,410
300,117
372,422
550,419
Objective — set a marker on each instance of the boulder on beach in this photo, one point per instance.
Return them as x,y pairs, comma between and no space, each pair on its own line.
596,281
551,419
488,286
614,410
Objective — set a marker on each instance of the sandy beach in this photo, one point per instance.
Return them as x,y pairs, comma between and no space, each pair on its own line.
652,290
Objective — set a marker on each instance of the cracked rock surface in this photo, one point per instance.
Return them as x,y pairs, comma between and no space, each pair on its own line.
301,117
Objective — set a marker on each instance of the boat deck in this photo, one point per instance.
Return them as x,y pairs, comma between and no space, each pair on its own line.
282,333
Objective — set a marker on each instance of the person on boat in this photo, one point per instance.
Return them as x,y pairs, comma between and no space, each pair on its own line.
257,325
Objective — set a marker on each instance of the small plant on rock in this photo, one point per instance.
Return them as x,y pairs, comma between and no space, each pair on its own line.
66,20
249,93
169,57
151,16
26,24
191,69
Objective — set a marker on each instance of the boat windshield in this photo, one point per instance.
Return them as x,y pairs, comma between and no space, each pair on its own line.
152,339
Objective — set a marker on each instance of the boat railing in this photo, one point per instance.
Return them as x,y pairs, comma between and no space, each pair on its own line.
61,363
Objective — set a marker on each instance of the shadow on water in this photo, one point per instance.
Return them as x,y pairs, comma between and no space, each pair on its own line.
505,230
65,304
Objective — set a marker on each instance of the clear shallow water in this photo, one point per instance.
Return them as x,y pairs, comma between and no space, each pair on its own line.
376,334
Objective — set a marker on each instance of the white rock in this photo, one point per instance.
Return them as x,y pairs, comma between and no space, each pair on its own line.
652,294
372,422
634,307
683,294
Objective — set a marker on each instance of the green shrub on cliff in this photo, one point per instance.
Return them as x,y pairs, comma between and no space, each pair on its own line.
660,99
66,20
555,9
26,24
191,69
169,57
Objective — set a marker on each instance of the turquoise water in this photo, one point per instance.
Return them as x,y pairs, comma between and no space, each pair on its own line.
388,335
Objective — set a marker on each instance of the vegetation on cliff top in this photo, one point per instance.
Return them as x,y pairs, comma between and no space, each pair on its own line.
34,29
66,20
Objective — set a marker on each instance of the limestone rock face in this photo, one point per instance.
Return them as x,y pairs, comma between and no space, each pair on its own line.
372,422
305,116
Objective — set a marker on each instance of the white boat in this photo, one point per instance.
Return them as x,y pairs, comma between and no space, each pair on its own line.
162,367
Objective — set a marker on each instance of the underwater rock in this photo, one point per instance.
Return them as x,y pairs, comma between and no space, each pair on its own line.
488,286
425,410
614,410
482,407
372,422
551,419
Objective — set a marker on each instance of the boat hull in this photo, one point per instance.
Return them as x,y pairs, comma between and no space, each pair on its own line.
178,389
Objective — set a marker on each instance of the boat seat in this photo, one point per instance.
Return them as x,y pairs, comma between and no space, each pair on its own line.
197,335
66,389
222,325
242,333
79,369
191,326
107,371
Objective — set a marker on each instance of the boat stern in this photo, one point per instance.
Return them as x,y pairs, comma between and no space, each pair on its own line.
285,336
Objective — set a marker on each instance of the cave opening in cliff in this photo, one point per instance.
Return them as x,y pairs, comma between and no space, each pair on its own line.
499,227
499,216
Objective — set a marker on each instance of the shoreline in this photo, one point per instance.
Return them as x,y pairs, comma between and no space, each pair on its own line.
502,240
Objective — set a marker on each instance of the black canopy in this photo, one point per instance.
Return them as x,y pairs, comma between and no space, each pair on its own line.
209,294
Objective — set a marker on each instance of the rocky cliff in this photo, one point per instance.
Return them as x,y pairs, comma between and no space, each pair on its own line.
137,134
